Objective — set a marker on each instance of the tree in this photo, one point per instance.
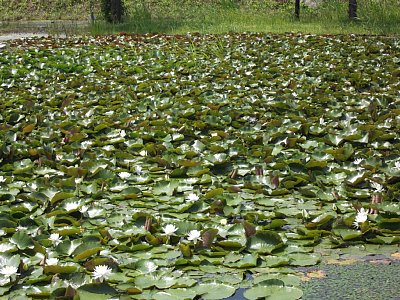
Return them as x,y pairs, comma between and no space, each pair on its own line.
297,9
113,10
352,9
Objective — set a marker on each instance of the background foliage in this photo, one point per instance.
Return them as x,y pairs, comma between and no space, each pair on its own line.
378,17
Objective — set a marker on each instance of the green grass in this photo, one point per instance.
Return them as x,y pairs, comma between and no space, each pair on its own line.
14,10
217,16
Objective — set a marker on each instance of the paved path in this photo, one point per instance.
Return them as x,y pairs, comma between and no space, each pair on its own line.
19,35
27,29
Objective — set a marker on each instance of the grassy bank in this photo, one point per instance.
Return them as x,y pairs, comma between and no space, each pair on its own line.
216,16
375,17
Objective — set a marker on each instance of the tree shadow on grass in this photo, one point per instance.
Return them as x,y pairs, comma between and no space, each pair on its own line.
145,20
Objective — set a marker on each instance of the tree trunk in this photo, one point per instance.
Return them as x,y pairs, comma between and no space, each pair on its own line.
352,9
91,7
116,11
297,9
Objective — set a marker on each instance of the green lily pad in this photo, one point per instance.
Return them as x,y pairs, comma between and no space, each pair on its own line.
265,242
178,294
213,290
271,289
303,259
100,291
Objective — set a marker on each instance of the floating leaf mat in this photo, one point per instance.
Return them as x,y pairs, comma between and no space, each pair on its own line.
190,166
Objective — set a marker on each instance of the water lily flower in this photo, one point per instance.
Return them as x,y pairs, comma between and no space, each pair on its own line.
101,272
170,229
83,209
378,187
194,235
358,161
86,144
2,179
397,165
8,271
192,197
71,206
55,238
94,212
361,217
124,175
223,222
138,170
52,261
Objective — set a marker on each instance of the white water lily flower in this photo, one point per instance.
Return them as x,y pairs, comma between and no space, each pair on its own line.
378,187
21,228
138,170
9,271
94,212
192,197
223,222
2,179
86,144
170,229
33,186
358,161
397,165
52,261
101,272
124,175
194,235
83,208
71,206
55,238
361,217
